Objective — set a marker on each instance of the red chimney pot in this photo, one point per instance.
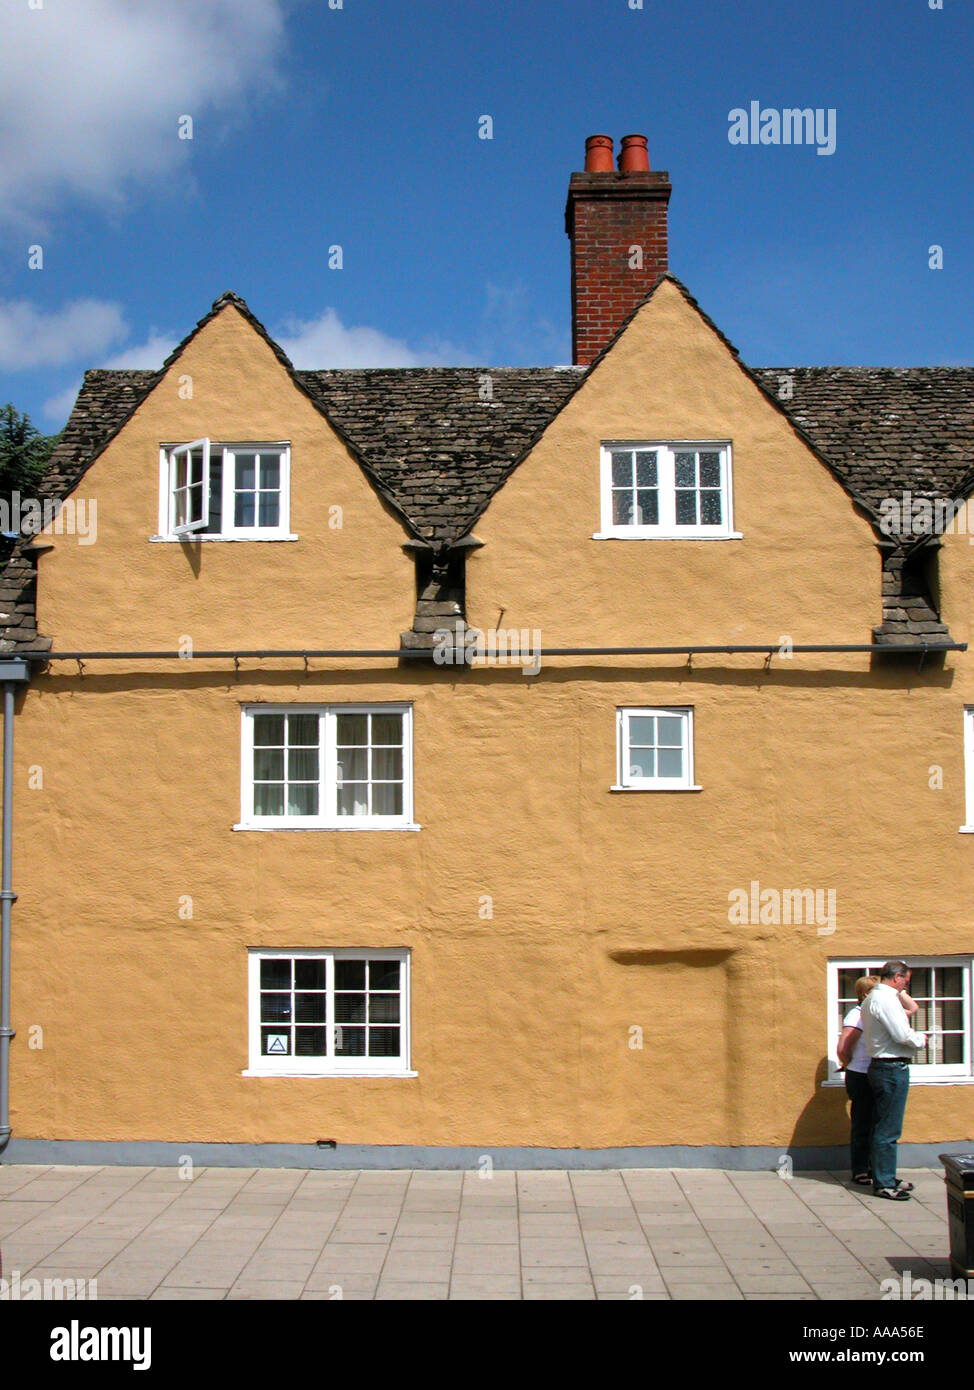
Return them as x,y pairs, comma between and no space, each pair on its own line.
634,155
598,155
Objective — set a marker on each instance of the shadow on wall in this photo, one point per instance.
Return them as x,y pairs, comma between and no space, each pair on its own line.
825,1119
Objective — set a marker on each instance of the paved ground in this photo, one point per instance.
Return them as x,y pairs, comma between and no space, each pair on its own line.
146,1233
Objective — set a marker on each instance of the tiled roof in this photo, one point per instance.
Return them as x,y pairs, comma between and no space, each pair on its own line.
437,443
442,440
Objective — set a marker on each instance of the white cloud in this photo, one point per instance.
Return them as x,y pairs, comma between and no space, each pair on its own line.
91,91
326,342
146,356
31,337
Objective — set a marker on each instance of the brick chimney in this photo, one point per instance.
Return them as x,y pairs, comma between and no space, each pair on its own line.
616,220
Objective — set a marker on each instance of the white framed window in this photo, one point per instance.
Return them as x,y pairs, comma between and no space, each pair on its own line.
224,491
941,985
671,490
335,767
655,748
968,827
316,1012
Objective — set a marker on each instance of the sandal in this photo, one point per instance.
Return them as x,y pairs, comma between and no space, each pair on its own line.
902,1186
862,1179
892,1194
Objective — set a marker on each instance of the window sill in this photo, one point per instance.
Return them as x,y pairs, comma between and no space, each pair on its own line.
965,830
656,789
224,540
647,535
836,1083
307,829
330,1075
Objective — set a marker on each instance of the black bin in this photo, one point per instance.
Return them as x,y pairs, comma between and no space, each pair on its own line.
959,1177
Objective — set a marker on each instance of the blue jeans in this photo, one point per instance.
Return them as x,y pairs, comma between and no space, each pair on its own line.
863,1113
890,1084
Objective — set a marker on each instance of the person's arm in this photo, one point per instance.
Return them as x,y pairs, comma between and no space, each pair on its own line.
910,1006
847,1045
893,1015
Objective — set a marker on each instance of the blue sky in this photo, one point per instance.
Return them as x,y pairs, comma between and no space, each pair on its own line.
359,126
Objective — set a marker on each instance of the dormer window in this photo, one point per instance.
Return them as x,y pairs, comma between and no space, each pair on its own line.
212,491
656,490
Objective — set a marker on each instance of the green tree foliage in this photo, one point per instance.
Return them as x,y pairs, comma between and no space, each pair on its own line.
24,453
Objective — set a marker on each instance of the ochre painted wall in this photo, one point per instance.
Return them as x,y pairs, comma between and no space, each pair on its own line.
610,910
352,586
807,565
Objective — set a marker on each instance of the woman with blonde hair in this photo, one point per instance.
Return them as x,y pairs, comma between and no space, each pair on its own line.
854,1060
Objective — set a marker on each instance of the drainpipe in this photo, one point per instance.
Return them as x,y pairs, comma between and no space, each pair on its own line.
12,674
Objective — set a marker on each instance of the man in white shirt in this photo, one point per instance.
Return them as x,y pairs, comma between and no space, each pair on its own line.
891,1043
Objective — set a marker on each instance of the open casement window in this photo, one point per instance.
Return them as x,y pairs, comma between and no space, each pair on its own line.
942,988
656,749
329,1012
666,490
226,491
189,487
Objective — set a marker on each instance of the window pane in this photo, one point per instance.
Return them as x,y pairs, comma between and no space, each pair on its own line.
952,1015
950,982
642,730
353,765
622,469
383,1042
383,1008
710,470
646,469
387,799
310,974
270,472
686,470
309,1008
349,1042
353,799
302,764
686,509
352,730
214,524
244,509
670,730
647,508
274,1043
269,764
669,762
710,509
302,799
350,974
275,1008
270,509
302,730
953,1049
642,762
383,974
269,730
349,1008
311,1042
275,974
622,508
268,799
246,479
387,764
387,729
